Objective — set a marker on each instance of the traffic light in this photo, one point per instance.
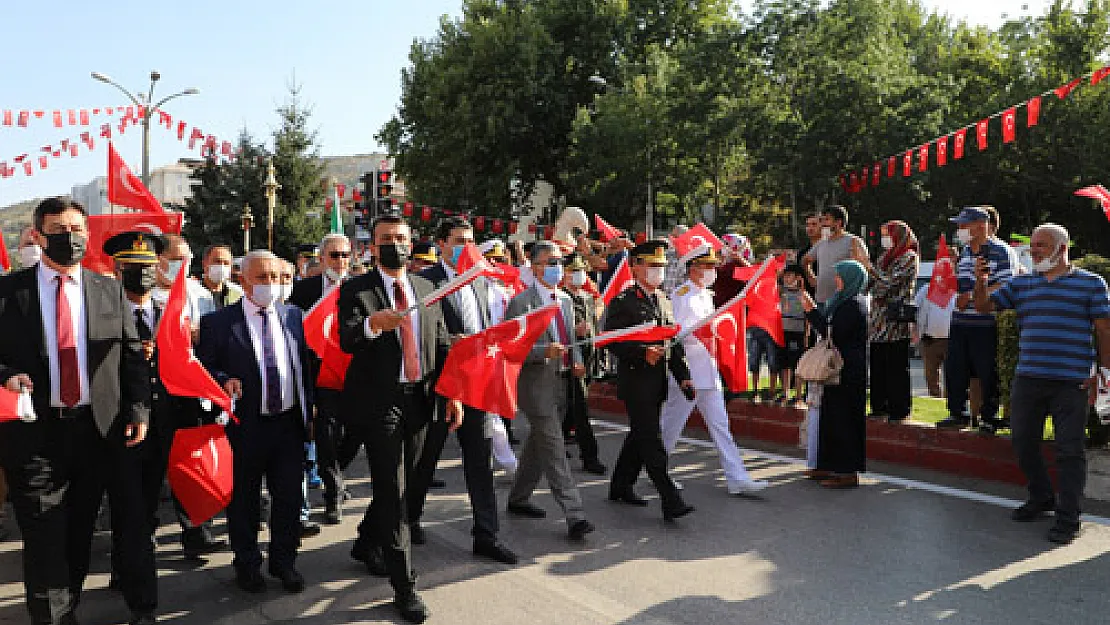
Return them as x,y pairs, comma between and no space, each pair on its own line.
384,184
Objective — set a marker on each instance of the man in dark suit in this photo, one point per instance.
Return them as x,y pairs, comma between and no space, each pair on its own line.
389,395
465,312
70,339
642,382
327,428
256,350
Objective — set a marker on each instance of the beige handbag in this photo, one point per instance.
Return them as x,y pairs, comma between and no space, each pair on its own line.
820,363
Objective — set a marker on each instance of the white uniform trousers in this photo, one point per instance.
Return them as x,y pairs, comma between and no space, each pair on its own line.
499,442
711,403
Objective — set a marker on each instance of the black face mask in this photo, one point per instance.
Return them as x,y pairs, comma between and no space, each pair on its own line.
138,279
394,255
65,248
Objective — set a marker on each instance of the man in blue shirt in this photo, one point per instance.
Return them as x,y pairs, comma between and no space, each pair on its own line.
1060,308
972,337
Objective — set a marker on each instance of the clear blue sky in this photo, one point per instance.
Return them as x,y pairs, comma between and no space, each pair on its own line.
346,54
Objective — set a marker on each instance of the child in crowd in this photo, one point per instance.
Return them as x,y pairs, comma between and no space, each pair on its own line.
795,328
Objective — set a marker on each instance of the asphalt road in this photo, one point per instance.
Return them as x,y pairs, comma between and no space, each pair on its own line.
890,552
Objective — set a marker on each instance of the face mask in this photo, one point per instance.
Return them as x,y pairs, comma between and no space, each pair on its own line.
138,279
887,243
708,277
172,269
218,274
553,275
963,235
1047,264
578,278
30,255
286,292
65,248
334,275
456,252
654,276
394,255
826,233
264,295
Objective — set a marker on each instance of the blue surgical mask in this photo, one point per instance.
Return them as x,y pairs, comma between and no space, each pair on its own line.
456,252
553,275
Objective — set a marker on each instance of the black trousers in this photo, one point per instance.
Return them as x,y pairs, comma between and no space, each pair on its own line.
578,418
643,448
393,443
329,434
477,471
971,353
272,447
891,392
57,476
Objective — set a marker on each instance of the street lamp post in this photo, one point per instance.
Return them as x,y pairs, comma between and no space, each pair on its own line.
271,186
247,223
142,101
650,209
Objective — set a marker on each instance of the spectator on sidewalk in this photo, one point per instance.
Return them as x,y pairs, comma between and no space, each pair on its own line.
813,237
892,284
835,245
931,334
1059,307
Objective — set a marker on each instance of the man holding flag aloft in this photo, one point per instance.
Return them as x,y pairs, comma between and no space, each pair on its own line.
642,382
693,302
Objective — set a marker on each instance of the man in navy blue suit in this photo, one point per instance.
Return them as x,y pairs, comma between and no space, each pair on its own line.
256,350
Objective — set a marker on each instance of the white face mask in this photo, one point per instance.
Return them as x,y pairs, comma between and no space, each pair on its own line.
963,236
887,243
1048,264
286,292
708,277
578,278
30,255
264,295
654,276
826,233
334,275
218,274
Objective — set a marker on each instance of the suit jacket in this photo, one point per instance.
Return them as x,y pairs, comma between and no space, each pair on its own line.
307,292
635,377
375,370
541,382
585,309
118,379
437,275
226,350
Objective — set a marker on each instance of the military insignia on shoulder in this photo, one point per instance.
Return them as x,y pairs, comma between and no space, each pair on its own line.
682,290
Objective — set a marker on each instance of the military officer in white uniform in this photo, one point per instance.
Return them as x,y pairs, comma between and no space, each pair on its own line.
693,301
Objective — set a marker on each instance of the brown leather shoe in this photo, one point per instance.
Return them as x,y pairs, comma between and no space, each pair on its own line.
841,481
814,474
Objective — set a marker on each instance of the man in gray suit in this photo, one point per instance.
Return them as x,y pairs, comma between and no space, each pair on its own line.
543,393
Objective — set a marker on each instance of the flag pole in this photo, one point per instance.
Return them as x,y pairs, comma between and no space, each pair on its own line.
685,332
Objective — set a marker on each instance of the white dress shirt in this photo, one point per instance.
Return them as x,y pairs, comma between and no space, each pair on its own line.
467,303
281,352
48,306
413,318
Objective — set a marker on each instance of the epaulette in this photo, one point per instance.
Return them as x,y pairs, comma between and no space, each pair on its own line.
682,290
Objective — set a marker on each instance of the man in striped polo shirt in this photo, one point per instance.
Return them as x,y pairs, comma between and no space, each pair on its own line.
1061,309
972,336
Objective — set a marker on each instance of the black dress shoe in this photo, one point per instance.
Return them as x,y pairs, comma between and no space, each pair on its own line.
593,466
333,514
142,618
677,512
194,549
417,534
579,529
291,580
437,483
375,563
115,583
1032,510
309,529
1063,532
251,581
953,423
526,509
495,550
411,607
629,497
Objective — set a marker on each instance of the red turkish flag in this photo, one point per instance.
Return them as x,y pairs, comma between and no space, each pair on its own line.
853,182
480,223
942,151
57,119
725,338
73,149
1009,125
605,231
200,471
5,262
943,285
125,188
181,372
981,133
620,280
891,166
425,213
1033,112
1097,192
764,306
28,168
71,115
11,408
482,370
103,227
321,334
958,141
194,136
43,161
907,164
513,225
876,173
694,238
106,131
469,267
498,226
923,158
1099,75
84,117
7,117
181,131
644,333
507,275
1064,91
23,117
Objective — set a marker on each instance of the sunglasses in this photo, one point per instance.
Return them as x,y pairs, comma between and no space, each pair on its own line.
339,254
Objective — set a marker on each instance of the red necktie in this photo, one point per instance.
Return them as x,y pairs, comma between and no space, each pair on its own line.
69,370
411,356
561,326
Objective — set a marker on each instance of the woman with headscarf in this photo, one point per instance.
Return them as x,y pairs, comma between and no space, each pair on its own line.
894,278
842,422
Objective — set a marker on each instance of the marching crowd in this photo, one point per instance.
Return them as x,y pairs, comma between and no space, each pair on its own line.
83,346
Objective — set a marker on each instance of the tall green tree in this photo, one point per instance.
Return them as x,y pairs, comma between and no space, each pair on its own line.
221,190
300,215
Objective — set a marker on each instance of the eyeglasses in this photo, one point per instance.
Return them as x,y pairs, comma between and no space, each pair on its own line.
339,254
555,261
